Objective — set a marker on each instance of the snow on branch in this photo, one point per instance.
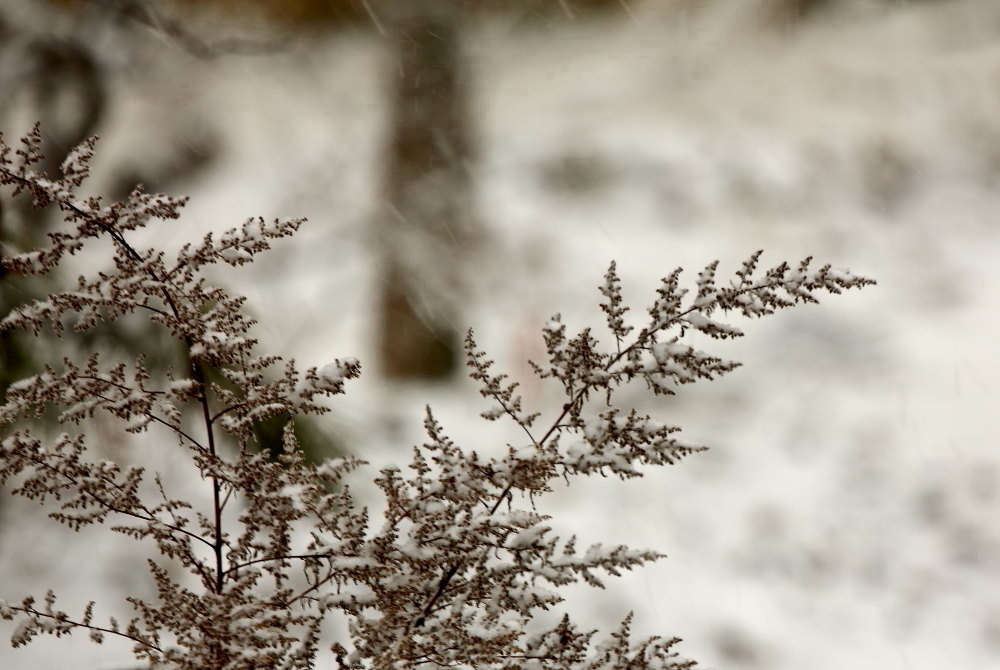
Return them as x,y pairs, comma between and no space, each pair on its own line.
461,561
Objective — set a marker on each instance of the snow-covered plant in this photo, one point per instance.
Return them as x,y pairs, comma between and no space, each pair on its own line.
461,563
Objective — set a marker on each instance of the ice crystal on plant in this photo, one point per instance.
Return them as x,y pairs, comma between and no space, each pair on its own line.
461,561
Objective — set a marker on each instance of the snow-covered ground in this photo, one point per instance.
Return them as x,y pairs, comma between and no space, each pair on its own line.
848,513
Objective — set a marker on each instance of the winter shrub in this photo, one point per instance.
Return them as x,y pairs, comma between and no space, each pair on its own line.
454,573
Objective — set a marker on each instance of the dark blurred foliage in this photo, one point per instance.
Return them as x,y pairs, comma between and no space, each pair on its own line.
63,82
312,13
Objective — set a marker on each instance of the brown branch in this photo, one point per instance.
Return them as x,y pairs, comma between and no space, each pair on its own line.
31,611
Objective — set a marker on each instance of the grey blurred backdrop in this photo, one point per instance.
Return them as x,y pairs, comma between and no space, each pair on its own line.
479,163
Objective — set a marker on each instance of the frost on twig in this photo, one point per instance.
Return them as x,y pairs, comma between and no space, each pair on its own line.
461,562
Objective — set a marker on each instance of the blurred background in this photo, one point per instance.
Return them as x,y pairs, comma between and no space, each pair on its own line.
477,163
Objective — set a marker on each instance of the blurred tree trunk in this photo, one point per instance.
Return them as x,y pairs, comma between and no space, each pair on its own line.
424,227
424,222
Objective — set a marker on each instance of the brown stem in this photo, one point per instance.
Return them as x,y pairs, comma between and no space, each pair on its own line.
31,611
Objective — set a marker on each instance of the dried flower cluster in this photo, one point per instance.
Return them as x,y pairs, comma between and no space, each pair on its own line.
453,574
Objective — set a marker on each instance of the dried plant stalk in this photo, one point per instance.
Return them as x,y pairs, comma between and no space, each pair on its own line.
460,563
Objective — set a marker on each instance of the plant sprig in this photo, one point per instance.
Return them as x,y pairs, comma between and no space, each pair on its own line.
460,563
